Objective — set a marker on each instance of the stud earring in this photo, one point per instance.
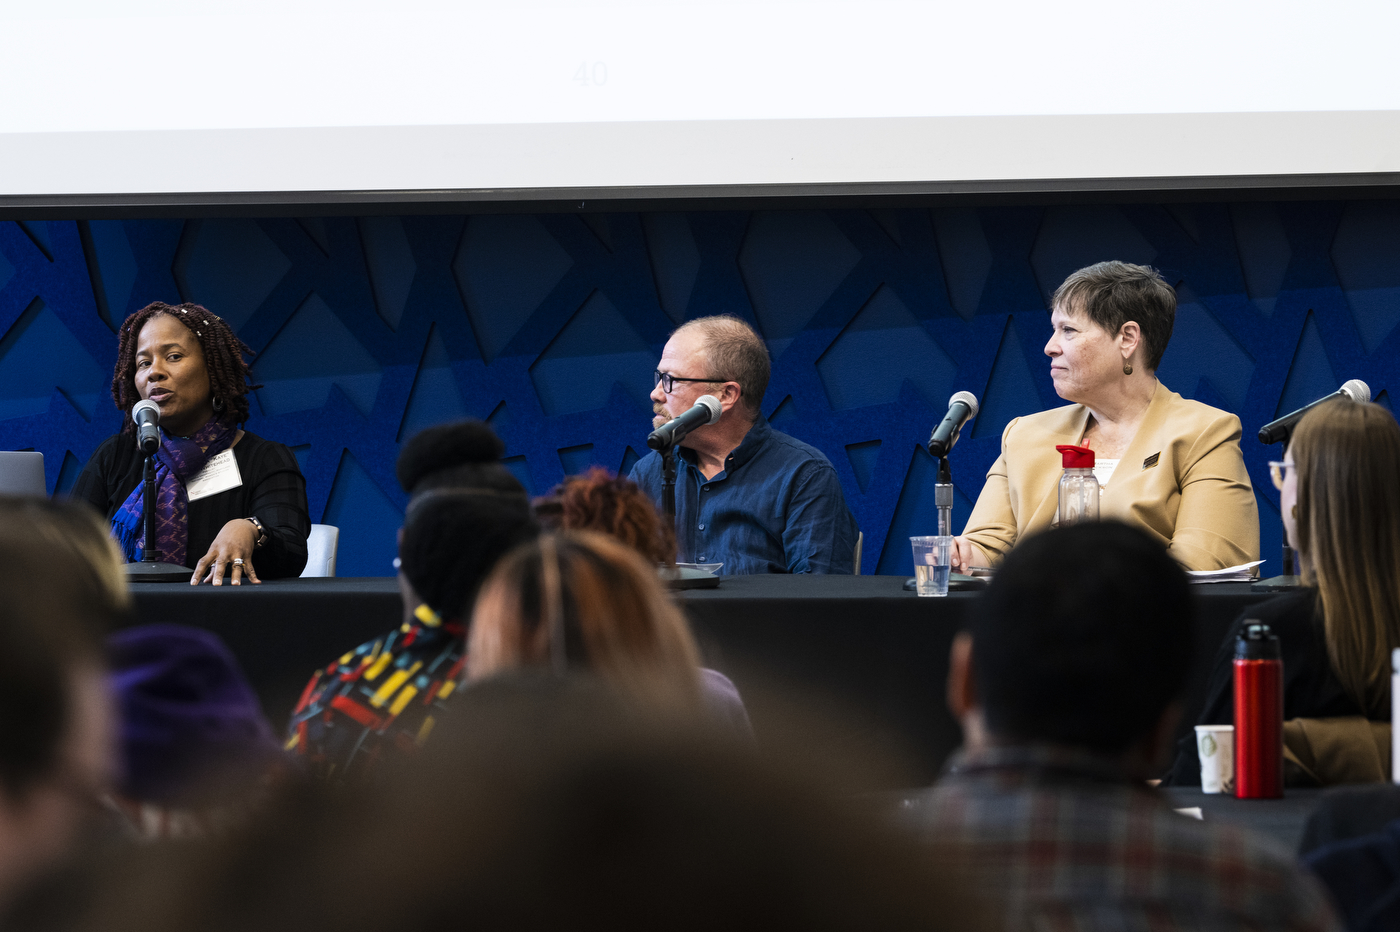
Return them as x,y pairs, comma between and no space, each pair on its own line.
1295,512
1127,368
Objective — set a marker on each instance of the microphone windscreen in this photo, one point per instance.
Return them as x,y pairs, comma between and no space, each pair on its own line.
1357,390
145,404
712,403
966,398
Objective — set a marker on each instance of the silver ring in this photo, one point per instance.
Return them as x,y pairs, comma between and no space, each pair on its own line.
237,561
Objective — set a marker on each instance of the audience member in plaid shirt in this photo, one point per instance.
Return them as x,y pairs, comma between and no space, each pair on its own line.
467,511
1066,687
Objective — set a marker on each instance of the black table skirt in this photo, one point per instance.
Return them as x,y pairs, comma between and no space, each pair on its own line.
280,630
850,668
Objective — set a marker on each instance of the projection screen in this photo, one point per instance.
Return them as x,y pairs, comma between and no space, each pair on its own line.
534,98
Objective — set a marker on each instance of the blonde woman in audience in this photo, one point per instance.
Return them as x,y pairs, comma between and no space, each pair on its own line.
579,600
597,500
57,751
1339,491
77,530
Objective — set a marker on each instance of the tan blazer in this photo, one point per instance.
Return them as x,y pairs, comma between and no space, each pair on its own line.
1332,751
1182,479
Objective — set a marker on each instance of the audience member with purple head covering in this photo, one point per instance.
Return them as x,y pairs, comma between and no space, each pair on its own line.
196,748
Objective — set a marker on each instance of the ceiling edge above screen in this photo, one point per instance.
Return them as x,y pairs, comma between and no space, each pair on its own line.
741,197
657,161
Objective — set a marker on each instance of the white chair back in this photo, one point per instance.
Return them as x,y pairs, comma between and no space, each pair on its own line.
321,547
22,474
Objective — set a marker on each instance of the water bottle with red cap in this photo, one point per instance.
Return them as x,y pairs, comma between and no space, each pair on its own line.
1079,490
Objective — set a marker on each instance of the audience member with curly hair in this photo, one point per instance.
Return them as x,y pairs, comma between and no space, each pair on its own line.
250,522
615,505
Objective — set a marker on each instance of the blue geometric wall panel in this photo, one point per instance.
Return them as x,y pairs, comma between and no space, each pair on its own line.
368,330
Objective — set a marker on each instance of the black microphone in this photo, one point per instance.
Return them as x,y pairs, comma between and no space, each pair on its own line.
962,407
1282,428
706,411
146,414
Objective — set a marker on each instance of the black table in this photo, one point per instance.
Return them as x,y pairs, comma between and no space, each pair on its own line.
850,668
872,659
1281,819
282,629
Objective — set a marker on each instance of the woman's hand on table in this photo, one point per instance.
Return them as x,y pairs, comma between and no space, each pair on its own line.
234,546
966,555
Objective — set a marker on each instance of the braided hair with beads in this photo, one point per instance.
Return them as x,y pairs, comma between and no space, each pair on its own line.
230,379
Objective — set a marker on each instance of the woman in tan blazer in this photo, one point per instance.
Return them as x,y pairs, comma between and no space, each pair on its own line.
1168,465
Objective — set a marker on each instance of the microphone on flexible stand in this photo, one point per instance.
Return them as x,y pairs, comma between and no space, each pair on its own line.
962,407
664,439
706,411
1280,429
146,415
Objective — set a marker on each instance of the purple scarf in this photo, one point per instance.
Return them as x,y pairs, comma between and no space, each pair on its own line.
178,459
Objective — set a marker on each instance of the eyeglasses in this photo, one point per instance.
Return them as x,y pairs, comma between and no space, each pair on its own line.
1277,472
667,381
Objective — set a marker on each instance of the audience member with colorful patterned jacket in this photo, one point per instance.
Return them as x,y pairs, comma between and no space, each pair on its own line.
386,692
383,698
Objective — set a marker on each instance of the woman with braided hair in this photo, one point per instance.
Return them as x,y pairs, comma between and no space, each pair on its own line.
225,498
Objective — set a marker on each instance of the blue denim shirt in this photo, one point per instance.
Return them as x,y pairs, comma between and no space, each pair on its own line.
776,508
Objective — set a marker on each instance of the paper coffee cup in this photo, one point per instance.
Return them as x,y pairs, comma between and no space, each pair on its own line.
1216,745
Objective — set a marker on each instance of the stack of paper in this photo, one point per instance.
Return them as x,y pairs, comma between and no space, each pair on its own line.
1242,573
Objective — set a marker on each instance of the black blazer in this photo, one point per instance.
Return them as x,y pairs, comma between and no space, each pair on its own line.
273,491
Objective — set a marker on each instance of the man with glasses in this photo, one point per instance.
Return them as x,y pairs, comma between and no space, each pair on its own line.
747,496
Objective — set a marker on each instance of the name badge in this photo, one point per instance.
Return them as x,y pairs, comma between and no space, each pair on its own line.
218,475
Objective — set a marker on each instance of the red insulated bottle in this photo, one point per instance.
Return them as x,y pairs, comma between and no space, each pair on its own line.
1258,714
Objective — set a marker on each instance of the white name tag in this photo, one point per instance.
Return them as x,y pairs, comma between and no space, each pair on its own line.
218,475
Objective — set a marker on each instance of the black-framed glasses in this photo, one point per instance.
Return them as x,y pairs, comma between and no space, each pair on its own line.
667,381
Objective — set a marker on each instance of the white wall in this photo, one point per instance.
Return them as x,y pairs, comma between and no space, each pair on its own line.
306,95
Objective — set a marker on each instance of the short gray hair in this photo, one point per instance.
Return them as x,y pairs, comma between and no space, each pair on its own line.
1113,293
736,353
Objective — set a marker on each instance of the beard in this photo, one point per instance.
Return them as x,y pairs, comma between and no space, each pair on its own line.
660,417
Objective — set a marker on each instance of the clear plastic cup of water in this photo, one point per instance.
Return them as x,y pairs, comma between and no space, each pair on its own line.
933,564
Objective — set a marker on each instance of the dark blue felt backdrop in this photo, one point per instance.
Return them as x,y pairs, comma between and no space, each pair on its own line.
550,325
